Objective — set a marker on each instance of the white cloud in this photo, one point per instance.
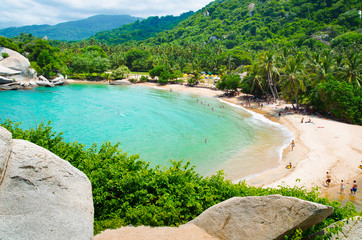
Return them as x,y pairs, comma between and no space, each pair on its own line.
28,12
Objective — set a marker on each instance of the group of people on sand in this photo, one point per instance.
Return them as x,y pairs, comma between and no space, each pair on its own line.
309,121
353,189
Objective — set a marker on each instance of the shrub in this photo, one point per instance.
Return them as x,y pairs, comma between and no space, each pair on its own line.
5,55
144,79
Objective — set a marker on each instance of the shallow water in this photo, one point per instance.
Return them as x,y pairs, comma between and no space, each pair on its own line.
156,124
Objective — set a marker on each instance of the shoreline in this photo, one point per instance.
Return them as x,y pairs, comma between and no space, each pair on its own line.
321,146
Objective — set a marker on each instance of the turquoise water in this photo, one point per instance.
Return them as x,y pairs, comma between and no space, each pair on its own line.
156,124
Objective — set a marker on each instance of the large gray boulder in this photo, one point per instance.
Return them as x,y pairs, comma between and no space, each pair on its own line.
120,82
265,217
5,146
43,196
16,66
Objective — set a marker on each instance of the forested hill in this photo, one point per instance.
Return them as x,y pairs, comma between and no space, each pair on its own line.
257,24
72,30
141,30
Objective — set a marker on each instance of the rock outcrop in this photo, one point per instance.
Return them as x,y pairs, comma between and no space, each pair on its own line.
41,195
184,232
60,80
120,82
266,217
44,82
16,66
4,80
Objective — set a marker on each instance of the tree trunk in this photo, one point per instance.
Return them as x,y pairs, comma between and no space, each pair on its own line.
271,83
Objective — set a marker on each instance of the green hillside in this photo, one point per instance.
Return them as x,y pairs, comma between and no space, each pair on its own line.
258,24
72,30
141,30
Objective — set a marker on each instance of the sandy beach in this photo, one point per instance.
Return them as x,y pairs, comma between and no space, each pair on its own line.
321,146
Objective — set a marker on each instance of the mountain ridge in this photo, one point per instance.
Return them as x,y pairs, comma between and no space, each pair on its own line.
141,30
72,30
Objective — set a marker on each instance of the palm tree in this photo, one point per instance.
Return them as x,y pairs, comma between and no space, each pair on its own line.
322,66
351,69
268,64
292,77
254,80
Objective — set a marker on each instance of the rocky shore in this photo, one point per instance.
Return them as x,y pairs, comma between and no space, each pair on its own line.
16,73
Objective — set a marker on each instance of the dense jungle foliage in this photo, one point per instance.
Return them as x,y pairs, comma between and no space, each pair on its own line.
141,29
127,191
263,24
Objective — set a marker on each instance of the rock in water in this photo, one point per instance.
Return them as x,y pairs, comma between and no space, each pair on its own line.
43,196
262,217
120,82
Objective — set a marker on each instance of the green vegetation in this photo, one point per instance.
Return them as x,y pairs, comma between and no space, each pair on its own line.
328,80
72,30
121,72
229,82
127,191
140,30
4,55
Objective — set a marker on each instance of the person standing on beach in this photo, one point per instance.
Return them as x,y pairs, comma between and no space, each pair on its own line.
292,144
354,187
342,187
329,178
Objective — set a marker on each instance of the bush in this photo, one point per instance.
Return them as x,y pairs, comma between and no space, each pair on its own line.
5,55
144,79
341,99
192,81
121,72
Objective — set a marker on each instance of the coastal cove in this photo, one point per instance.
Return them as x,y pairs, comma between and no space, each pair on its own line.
156,123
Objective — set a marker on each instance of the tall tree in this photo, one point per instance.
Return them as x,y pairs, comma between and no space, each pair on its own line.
291,78
351,69
268,63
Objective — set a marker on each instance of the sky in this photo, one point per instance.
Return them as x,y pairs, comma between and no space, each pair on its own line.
15,13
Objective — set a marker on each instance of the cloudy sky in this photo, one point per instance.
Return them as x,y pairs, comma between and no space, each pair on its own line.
14,13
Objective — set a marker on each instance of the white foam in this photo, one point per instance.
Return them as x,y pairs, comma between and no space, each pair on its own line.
260,119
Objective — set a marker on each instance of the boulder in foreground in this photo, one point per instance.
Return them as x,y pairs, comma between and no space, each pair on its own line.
43,196
184,232
261,217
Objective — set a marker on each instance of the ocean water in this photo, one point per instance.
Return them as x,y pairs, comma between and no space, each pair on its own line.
158,125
